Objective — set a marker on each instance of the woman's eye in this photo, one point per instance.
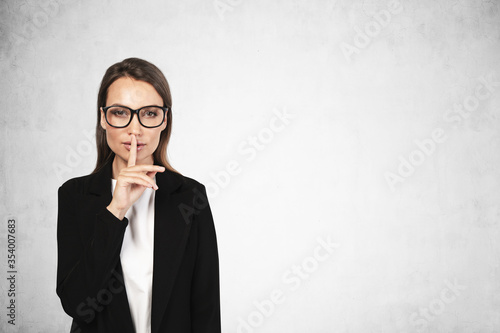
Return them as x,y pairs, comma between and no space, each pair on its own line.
119,113
150,113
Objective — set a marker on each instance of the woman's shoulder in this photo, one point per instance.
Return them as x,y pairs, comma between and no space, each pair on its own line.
186,183
80,184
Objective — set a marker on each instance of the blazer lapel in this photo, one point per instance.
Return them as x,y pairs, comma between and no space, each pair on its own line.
100,184
171,232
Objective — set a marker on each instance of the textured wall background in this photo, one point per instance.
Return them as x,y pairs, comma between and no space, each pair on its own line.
350,148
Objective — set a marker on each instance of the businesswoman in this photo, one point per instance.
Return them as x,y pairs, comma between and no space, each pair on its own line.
137,249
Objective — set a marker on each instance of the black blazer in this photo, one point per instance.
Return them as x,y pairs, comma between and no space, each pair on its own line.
186,268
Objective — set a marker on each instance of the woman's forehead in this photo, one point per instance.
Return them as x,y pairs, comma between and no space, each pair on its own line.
132,93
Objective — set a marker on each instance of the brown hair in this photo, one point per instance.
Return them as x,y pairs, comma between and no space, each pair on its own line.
140,70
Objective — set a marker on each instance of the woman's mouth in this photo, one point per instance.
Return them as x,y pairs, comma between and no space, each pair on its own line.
140,146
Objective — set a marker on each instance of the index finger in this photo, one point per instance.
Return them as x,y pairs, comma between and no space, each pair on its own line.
133,151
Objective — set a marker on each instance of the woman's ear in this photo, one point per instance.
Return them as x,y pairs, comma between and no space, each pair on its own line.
103,120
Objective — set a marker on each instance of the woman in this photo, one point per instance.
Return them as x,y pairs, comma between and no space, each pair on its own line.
137,249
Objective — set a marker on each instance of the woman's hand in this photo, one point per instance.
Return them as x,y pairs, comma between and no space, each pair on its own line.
131,183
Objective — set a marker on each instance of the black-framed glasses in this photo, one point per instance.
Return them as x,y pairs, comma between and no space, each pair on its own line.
121,116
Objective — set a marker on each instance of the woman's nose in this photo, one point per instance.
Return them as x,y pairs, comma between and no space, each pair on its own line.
135,127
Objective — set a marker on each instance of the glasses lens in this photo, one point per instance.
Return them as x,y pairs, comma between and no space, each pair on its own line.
151,116
118,116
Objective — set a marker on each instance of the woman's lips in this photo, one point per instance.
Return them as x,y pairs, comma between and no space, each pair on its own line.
140,146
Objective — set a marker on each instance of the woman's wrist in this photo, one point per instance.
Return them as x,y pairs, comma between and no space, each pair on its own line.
118,213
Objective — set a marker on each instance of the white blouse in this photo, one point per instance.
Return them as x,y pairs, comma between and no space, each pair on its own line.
137,258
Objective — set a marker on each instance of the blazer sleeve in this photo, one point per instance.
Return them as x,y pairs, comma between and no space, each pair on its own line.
85,264
205,297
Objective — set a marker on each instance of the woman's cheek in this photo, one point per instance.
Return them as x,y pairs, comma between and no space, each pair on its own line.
112,140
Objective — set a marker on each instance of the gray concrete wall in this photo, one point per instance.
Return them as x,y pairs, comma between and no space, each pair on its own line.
350,150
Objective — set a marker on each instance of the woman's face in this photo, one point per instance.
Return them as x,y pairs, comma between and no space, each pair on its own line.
134,94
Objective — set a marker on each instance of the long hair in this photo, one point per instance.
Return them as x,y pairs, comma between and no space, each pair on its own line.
140,70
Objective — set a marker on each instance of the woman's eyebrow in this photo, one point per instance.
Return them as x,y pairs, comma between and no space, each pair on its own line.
116,104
